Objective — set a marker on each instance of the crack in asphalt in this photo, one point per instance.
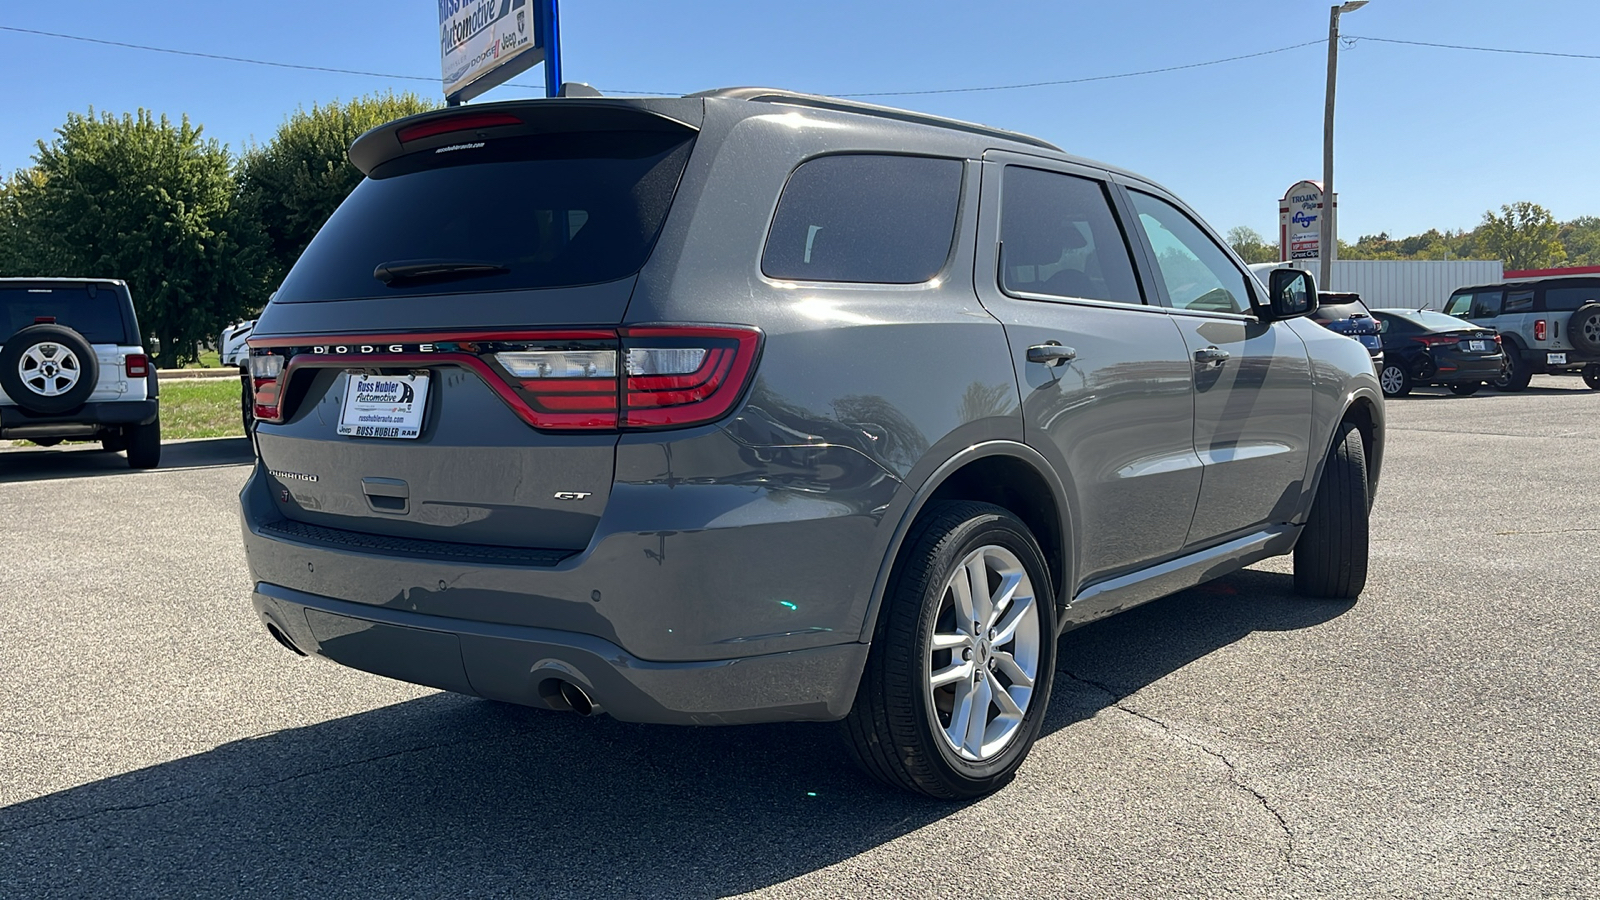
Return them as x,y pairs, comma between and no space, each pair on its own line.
1287,851
135,807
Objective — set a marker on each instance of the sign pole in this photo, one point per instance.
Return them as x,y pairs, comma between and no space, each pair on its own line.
550,20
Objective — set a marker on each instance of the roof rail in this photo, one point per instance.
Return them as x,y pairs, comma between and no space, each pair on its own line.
819,101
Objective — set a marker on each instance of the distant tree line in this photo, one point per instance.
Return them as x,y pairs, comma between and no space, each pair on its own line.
1524,235
201,236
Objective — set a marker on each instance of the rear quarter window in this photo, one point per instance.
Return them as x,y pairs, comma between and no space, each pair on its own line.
865,218
1570,298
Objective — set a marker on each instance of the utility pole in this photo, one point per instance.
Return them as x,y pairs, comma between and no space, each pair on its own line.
1327,240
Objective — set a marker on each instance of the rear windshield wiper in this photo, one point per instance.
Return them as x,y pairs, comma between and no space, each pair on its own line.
401,270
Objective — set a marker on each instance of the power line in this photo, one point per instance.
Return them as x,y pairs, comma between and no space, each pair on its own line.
1353,37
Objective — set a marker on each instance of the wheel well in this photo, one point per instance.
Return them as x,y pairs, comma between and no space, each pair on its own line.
1360,415
1017,486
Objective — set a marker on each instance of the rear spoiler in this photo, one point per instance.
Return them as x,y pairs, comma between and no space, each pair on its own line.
431,130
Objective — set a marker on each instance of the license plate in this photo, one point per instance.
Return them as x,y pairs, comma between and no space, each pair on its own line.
1557,359
1478,346
383,406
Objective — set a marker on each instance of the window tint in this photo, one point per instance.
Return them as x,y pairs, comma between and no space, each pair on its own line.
97,318
1335,312
552,210
1485,305
1199,275
1059,237
1438,321
865,218
1519,301
1567,298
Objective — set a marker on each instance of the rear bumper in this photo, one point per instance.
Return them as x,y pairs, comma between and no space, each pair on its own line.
19,423
1460,369
522,665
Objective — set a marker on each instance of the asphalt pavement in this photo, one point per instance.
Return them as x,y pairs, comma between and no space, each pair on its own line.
1439,737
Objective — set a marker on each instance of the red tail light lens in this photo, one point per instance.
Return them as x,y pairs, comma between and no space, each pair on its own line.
1538,329
448,124
678,376
1438,340
137,365
266,368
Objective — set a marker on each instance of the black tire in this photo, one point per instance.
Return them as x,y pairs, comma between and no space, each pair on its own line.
144,445
247,404
1591,376
1465,389
894,730
1330,558
1394,379
1583,329
69,366
116,442
1516,375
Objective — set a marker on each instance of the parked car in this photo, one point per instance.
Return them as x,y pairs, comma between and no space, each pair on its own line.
1345,314
72,367
1550,326
1421,346
233,350
758,406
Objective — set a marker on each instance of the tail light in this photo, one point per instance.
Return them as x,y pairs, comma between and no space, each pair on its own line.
137,365
665,376
266,370
1538,329
1438,340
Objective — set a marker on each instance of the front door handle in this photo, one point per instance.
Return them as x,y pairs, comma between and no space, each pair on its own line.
1051,354
1211,356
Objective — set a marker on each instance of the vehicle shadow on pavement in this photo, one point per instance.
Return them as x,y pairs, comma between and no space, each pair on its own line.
1100,664
30,463
449,796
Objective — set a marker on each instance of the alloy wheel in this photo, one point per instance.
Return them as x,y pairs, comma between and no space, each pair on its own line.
49,369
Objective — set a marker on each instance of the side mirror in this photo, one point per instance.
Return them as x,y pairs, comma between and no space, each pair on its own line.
1290,293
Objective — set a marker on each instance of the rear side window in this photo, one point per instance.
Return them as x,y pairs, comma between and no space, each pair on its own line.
97,318
537,212
865,218
1519,301
1059,237
1568,298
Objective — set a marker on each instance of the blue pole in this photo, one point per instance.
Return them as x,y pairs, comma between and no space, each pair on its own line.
550,19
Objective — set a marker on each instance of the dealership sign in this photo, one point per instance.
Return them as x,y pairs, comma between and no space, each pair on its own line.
482,43
1300,221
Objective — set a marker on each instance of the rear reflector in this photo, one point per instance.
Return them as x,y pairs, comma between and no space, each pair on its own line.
137,365
448,124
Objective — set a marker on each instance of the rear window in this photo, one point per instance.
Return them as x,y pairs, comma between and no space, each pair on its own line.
1334,312
865,218
537,212
97,318
1568,298
1437,321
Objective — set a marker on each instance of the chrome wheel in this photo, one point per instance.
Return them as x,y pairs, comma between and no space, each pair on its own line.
983,653
49,369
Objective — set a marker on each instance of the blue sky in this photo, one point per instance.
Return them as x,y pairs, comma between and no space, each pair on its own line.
1426,137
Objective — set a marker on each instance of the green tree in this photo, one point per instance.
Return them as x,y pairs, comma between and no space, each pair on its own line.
293,183
140,199
1250,245
1581,239
1524,235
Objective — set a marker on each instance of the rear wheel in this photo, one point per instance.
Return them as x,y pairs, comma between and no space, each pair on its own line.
144,445
1395,380
1330,559
1466,389
960,670
1516,374
1591,376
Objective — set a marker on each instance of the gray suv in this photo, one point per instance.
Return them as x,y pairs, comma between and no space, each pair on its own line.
1549,326
752,406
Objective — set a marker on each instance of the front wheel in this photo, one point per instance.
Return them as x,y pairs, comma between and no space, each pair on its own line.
1591,376
1330,558
962,659
1466,389
1395,380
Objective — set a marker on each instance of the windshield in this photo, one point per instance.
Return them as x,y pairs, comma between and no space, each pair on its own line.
530,212
97,318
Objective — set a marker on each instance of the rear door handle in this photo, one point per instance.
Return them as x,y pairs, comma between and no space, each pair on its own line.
1212,356
1051,354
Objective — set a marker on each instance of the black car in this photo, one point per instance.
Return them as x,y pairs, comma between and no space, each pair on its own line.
1345,314
1425,347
